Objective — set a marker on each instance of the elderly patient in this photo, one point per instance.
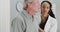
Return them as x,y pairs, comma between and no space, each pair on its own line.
27,20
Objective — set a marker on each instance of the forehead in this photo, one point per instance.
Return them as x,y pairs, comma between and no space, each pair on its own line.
45,4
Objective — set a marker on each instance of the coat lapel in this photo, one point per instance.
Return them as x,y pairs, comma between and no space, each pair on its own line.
47,26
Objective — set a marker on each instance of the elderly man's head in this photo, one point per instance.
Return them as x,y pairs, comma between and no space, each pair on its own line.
28,1
32,6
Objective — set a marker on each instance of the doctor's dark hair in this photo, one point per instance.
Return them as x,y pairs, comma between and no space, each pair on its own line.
50,12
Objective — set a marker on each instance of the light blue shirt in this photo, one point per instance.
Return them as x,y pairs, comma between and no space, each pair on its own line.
25,23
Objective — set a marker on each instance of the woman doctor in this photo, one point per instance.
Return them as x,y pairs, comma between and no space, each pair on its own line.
48,20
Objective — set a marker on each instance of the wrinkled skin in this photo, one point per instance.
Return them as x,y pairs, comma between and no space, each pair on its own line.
33,7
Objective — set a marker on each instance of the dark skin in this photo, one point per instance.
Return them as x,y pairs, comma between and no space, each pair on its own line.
45,7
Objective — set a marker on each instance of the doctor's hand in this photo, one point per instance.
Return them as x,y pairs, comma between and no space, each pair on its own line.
41,30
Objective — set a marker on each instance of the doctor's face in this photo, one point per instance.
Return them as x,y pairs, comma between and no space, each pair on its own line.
45,8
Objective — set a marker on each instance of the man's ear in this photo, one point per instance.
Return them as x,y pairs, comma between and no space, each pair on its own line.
40,7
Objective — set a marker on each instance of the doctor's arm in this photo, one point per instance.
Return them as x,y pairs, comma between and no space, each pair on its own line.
53,27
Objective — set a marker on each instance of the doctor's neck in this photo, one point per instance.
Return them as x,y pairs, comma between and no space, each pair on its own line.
44,17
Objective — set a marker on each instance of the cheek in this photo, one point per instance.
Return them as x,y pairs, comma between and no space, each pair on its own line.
45,11
48,10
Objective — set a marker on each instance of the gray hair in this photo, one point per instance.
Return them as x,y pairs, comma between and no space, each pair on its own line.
25,2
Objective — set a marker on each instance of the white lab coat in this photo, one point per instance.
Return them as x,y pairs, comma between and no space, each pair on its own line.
51,25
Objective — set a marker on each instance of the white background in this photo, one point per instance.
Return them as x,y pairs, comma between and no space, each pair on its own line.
4,15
